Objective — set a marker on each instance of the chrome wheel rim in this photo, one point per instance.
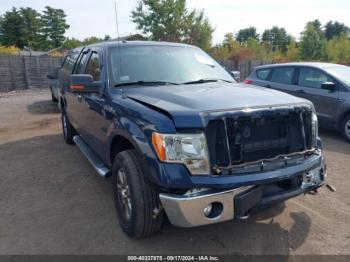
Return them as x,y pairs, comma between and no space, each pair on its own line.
347,128
123,193
64,123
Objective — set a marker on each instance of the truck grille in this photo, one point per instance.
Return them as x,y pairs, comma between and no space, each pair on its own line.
244,137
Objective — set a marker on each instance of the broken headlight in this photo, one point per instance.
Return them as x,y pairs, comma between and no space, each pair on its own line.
189,149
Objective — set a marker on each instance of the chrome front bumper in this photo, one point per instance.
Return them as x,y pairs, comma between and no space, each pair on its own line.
188,210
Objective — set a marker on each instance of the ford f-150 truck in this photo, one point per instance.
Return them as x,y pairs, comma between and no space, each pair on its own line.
180,138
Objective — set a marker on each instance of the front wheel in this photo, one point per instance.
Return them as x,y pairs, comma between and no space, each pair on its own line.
346,128
136,199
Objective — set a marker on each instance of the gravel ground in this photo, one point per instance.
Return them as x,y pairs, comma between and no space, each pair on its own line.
53,202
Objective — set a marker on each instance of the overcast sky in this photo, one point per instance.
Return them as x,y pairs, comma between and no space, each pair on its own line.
96,17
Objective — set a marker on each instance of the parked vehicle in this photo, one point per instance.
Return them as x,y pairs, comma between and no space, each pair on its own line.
326,85
54,90
236,75
54,87
180,138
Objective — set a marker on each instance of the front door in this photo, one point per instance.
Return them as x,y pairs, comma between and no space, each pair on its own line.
326,102
95,122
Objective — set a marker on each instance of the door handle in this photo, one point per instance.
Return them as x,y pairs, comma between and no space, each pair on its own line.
300,91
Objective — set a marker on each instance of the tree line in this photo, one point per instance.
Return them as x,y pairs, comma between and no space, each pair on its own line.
330,43
27,28
171,20
160,20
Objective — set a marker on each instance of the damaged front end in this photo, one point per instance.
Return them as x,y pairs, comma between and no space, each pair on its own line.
260,139
264,155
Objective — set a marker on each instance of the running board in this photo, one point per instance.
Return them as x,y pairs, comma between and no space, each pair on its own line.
99,166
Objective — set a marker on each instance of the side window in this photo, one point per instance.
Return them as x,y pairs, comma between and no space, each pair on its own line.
81,65
311,77
263,73
66,63
93,66
283,75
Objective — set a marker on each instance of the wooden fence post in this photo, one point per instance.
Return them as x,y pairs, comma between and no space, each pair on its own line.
50,62
38,70
11,74
25,72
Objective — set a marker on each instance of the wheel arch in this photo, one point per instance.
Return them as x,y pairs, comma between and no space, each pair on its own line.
341,118
121,142
118,144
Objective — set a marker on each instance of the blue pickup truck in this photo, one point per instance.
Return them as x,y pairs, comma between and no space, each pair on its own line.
179,137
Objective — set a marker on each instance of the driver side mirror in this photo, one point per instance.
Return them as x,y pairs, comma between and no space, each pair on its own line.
84,83
328,85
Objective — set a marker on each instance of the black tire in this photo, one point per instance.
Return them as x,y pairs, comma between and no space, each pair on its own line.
67,128
146,214
345,128
53,98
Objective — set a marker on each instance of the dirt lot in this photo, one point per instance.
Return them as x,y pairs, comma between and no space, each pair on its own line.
53,202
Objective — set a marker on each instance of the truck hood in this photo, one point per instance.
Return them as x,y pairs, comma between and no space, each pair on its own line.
186,103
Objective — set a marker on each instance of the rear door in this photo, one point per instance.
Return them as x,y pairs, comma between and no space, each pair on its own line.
283,79
74,100
64,81
325,101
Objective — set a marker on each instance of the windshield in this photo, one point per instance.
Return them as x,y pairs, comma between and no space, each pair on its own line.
341,72
172,64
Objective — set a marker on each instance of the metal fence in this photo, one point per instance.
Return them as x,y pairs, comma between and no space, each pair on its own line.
25,72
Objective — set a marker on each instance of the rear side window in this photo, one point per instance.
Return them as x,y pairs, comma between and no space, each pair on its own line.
69,62
93,66
283,75
311,77
263,73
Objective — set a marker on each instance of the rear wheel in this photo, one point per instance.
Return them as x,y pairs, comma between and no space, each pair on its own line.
67,128
136,199
346,128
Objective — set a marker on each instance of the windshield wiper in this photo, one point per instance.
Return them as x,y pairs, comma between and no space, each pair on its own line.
206,80
144,83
